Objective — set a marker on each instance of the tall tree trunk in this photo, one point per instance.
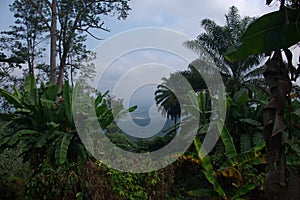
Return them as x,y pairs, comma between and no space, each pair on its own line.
62,66
67,43
280,182
53,43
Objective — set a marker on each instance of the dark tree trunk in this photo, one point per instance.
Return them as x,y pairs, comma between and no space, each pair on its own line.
280,182
53,43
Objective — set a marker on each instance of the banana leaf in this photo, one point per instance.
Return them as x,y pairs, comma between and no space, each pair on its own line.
273,31
62,146
227,140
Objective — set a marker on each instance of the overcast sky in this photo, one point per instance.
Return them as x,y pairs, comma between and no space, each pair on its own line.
184,15
180,15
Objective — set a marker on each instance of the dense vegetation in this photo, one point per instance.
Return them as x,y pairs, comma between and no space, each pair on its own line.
42,155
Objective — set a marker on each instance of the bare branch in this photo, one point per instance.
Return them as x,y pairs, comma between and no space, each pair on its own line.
93,35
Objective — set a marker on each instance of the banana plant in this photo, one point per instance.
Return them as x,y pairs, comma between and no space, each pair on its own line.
44,121
241,152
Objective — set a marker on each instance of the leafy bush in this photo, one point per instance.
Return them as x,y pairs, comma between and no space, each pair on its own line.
101,182
14,174
54,182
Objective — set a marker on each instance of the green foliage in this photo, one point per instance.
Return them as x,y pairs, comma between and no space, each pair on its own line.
14,174
45,122
217,39
51,182
227,141
47,127
63,143
233,175
208,171
152,185
273,31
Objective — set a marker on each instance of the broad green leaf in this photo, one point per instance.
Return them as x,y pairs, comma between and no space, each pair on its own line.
242,158
245,189
227,140
133,108
259,145
62,146
192,97
297,112
241,97
197,144
209,174
258,139
200,151
208,168
48,111
31,93
20,134
17,93
10,98
273,31
50,93
251,122
47,136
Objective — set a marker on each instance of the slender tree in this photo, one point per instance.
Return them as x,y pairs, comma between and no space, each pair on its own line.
68,21
25,38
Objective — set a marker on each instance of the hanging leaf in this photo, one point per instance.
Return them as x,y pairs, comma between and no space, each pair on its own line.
273,31
10,98
227,140
20,134
209,174
245,189
208,168
242,158
30,90
62,147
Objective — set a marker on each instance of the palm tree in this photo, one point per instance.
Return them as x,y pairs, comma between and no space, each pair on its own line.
165,98
217,39
167,101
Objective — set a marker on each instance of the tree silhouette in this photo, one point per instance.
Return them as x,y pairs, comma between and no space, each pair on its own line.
217,39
